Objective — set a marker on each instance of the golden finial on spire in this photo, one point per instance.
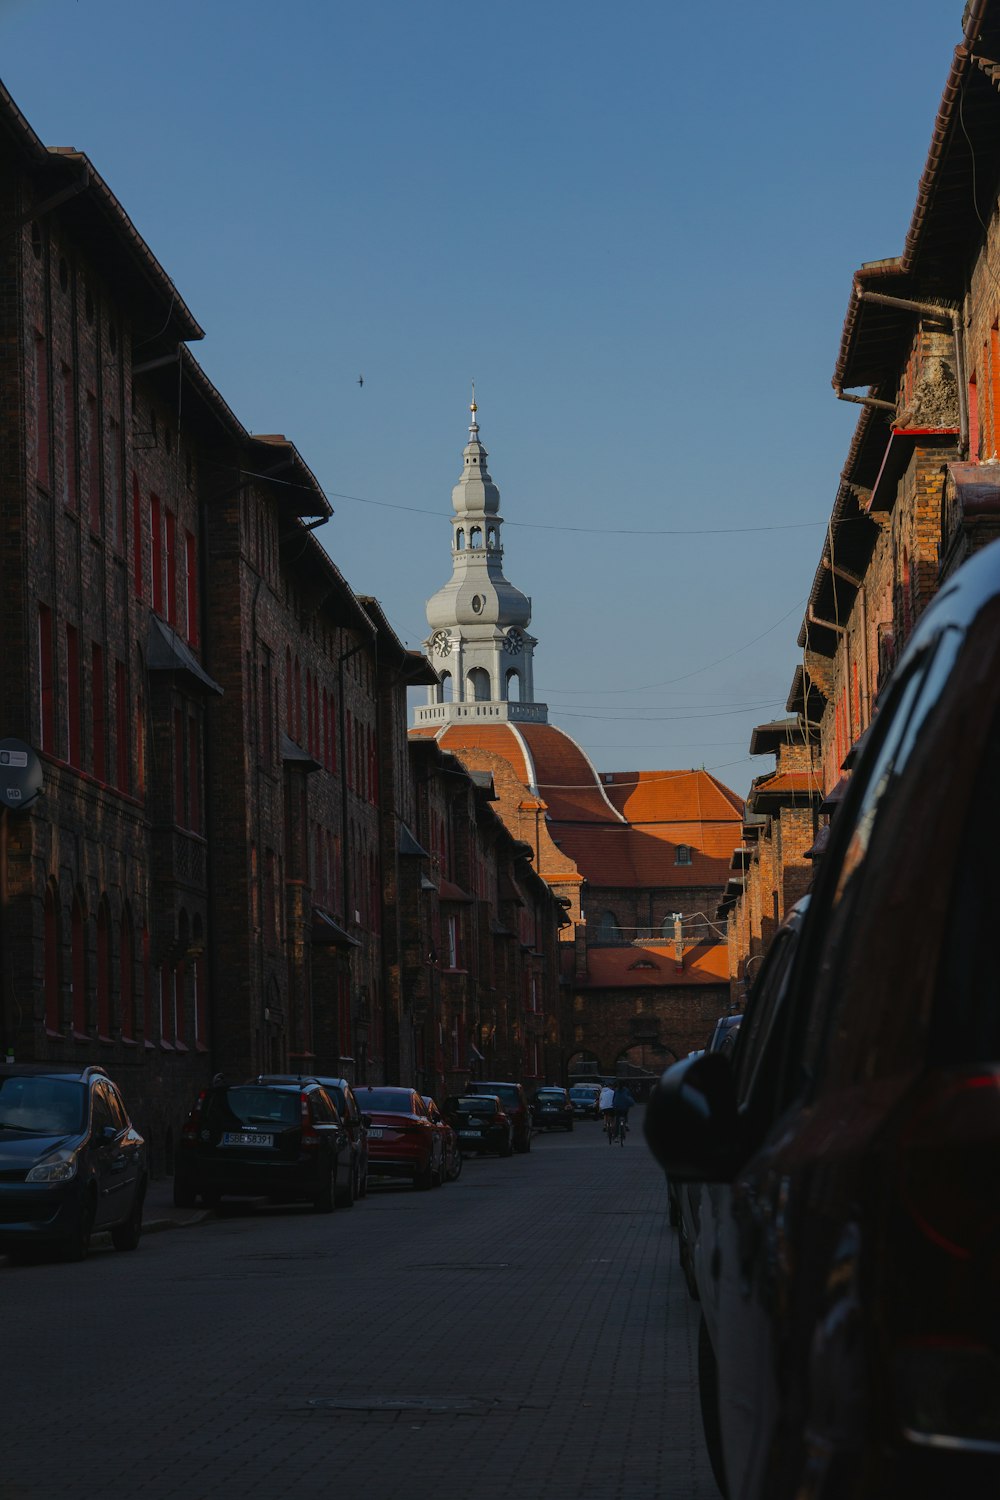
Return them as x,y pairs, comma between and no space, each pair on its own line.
473,408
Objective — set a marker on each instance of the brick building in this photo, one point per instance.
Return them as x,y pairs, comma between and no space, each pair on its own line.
920,488
218,875
632,855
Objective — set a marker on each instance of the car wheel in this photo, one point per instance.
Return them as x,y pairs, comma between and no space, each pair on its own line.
126,1236
708,1391
456,1167
80,1242
363,1183
324,1200
184,1195
345,1195
684,1256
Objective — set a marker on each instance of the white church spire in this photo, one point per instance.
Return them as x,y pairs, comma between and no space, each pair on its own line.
479,642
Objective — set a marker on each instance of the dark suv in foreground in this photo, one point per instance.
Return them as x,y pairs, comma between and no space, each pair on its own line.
354,1122
850,1255
70,1160
281,1141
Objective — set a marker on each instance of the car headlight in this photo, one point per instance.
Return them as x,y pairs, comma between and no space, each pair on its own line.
53,1171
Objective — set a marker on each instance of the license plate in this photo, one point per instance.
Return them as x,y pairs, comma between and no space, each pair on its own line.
465,1134
375,1132
245,1138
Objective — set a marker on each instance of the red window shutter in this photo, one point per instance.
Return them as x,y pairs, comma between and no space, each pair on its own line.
121,728
156,552
98,711
171,531
191,572
136,536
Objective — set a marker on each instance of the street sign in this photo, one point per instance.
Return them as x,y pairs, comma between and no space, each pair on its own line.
20,775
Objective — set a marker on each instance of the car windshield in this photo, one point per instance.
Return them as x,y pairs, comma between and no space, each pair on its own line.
553,1096
508,1091
482,1103
586,1091
387,1101
250,1104
42,1106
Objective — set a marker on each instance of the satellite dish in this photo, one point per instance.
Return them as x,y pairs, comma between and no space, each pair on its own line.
20,775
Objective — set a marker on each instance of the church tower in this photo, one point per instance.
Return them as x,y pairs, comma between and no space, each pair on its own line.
479,642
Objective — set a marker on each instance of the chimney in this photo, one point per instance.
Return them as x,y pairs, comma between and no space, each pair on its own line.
679,940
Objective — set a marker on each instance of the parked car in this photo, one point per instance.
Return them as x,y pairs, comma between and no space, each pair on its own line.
515,1103
849,1345
71,1161
551,1109
282,1141
451,1151
585,1098
342,1094
403,1140
481,1123
724,1032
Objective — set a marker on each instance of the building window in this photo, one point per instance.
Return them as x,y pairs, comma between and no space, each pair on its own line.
683,855
121,728
72,697
52,964
42,471
69,438
45,678
607,928
97,696
136,536
79,969
156,552
126,986
103,973
191,587
116,489
93,463
171,561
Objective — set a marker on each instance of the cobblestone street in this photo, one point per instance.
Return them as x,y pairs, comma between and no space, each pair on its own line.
522,1332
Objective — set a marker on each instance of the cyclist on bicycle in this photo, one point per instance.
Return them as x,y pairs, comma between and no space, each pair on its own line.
606,1104
621,1104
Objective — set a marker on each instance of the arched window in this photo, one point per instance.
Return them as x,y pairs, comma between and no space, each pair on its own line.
491,536
460,539
513,686
479,685
683,855
608,930
447,688
476,536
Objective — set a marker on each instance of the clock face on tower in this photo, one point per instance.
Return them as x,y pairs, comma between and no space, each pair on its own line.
515,642
441,643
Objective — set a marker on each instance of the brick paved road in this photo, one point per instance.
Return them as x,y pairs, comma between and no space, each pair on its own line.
276,1353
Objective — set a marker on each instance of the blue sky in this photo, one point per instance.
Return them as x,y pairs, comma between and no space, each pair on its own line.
634,226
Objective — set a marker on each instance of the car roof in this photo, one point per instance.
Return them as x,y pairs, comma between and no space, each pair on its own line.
52,1070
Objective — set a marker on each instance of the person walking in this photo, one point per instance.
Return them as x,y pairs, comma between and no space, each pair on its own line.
622,1102
606,1104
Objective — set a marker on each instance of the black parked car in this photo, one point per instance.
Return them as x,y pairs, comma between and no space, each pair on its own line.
71,1161
552,1109
849,1264
515,1103
354,1121
480,1122
282,1141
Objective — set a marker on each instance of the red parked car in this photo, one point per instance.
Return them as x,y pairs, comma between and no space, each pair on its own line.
403,1140
451,1150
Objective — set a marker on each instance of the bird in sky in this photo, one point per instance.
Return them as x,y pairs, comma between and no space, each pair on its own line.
361,380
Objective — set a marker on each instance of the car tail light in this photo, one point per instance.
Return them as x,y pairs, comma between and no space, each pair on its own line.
310,1135
949,1148
191,1126
499,1119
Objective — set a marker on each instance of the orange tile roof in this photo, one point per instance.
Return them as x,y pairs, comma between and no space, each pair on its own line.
646,856
671,796
651,966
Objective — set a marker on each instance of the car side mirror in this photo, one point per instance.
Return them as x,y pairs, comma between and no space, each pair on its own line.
692,1123
105,1134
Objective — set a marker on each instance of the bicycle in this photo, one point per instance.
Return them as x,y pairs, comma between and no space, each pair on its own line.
609,1126
620,1130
